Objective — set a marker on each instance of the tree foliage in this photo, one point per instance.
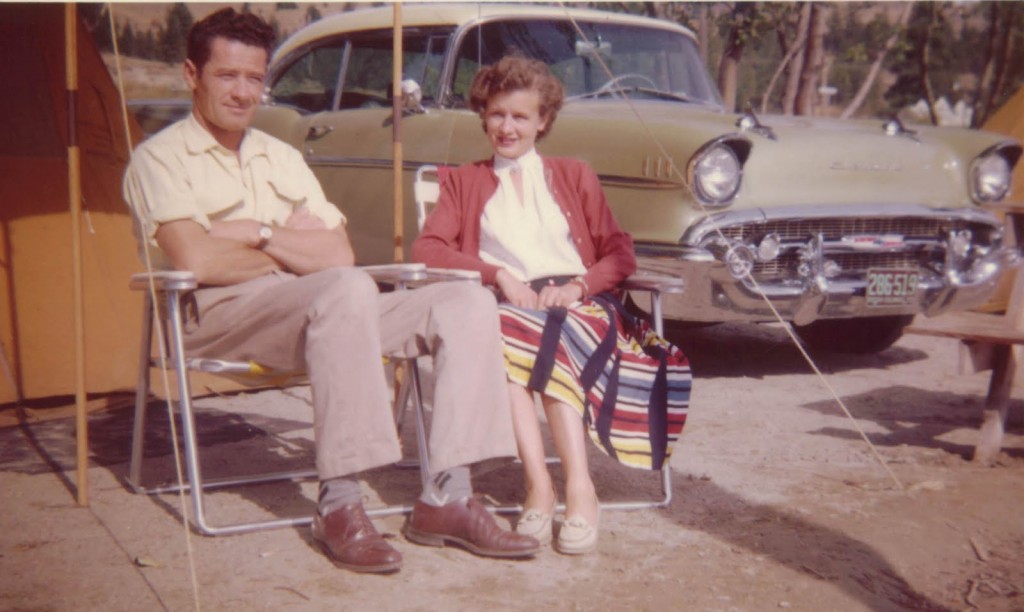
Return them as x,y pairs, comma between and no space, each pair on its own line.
173,41
760,51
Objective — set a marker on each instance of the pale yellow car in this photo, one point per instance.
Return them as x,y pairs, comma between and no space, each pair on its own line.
847,228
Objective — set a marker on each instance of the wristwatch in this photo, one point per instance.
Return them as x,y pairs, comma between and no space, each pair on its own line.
266,233
581,282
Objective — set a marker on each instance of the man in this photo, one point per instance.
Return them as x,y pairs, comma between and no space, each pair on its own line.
277,285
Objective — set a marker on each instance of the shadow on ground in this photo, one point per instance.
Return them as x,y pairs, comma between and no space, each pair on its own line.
797,543
231,442
734,350
912,416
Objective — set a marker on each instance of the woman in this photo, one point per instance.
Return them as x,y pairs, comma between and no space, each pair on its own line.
540,231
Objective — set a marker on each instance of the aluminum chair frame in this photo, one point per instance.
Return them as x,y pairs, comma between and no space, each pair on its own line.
426,192
170,287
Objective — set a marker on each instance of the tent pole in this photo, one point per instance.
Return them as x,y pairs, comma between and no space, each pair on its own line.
396,130
75,203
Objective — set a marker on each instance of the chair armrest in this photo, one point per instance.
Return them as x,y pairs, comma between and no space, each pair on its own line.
451,274
396,273
184,280
649,281
164,280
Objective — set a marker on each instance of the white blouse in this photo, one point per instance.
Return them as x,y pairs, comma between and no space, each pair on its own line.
529,238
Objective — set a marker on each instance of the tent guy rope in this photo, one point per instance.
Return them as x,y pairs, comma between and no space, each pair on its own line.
159,330
674,170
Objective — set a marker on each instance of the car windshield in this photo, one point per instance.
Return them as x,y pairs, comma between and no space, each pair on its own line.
596,60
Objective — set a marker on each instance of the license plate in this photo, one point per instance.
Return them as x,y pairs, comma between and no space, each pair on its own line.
891,287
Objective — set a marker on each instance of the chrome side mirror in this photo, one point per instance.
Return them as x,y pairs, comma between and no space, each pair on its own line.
412,97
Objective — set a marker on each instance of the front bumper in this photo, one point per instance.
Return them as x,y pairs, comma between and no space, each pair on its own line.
806,289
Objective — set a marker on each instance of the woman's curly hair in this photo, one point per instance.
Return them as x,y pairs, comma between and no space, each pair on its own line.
515,72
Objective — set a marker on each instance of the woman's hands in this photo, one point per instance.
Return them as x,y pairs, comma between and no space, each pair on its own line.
516,292
562,295
521,295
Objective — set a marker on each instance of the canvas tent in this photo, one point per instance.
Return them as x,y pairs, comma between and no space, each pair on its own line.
37,328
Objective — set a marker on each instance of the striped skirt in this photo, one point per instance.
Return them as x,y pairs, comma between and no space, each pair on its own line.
630,386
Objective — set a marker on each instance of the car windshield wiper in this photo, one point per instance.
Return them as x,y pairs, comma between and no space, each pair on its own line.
657,93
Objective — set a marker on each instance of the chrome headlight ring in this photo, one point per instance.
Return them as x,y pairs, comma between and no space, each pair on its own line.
715,172
991,173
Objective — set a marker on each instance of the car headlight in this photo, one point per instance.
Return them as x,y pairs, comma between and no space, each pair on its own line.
716,174
990,177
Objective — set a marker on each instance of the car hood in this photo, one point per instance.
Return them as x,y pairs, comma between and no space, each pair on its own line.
794,161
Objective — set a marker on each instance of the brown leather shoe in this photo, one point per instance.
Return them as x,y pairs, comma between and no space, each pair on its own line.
467,523
352,542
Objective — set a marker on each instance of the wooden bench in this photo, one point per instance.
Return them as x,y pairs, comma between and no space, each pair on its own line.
980,328
995,335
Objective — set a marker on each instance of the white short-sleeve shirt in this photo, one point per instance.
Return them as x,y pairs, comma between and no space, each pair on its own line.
184,173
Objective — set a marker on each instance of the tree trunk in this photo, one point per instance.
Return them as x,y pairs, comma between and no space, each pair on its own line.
796,47
1005,53
702,21
923,61
728,68
797,64
727,71
983,100
815,56
876,66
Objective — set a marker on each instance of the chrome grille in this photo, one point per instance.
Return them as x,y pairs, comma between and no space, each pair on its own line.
836,228
786,264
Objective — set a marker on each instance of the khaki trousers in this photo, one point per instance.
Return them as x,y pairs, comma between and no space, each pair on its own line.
335,326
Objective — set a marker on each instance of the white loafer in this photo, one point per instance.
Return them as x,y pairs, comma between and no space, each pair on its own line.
576,537
535,524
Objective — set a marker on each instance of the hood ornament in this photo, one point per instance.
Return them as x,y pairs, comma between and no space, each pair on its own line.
748,122
895,127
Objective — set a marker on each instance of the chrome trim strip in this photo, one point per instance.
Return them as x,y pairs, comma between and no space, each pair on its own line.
366,162
362,162
616,180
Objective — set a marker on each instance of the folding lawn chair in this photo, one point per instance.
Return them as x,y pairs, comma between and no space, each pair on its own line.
169,288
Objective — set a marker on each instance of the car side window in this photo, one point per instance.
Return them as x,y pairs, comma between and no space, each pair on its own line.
310,82
368,72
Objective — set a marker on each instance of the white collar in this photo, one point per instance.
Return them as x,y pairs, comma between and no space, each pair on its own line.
526,161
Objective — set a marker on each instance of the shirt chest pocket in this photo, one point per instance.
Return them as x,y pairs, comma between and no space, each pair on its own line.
220,196
287,190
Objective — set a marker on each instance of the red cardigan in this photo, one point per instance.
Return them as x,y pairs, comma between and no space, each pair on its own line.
451,234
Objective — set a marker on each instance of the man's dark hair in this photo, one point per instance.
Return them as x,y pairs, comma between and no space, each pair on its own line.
226,23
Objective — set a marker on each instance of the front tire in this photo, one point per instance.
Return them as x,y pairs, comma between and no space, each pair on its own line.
862,336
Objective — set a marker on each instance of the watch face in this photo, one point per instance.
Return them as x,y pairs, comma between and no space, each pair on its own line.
265,233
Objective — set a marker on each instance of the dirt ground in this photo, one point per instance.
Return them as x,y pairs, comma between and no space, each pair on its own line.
777,504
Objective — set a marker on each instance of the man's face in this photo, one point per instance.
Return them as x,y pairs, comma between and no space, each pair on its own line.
226,93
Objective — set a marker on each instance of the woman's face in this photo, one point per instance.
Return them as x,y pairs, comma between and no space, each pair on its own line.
512,121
